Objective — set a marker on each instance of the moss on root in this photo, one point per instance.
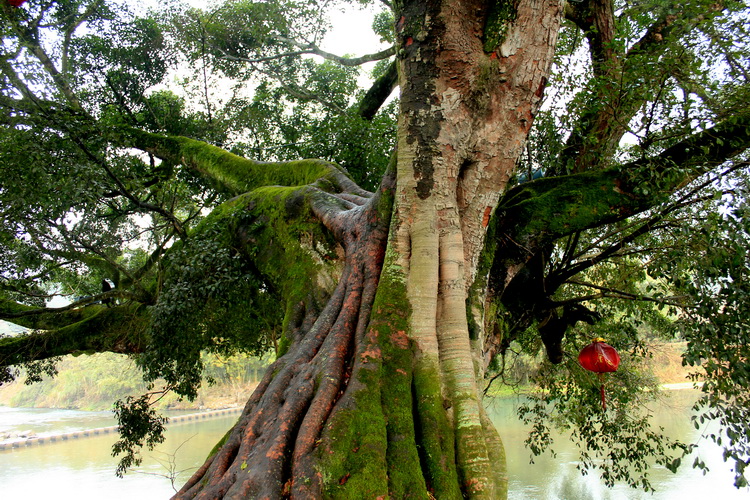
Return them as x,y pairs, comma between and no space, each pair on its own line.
391,439
435,432
353,454
221,443
390,326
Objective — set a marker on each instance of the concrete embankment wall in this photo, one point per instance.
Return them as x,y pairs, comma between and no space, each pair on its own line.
58,438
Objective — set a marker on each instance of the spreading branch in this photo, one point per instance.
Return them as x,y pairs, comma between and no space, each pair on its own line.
234,174
573,203
121,329
311,48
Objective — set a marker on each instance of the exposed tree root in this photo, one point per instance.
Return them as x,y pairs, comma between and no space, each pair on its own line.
270,451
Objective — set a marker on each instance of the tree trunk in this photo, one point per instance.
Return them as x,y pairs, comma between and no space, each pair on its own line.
377,396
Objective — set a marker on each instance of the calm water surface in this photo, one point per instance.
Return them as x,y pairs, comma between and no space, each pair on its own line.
84,469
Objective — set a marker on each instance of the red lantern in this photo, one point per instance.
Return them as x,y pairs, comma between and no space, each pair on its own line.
16,3
599,357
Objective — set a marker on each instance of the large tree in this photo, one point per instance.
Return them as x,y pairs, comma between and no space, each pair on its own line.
391,289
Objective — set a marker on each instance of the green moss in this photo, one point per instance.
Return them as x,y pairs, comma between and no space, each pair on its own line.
354,459
353,450
228,172
422,420
390,325
475,300
281,235
285,342
97,329
273,227
435,433
550,208
387,195
393,438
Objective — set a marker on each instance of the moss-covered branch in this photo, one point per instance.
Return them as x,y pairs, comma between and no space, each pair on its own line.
120,329
532,216
234,174
536,213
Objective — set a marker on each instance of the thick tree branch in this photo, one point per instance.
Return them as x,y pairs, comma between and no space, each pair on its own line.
573,203
234,174
33,317
120,329
596,18
381,89
620,79
310,48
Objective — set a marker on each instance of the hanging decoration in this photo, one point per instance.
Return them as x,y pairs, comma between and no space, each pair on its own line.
600,358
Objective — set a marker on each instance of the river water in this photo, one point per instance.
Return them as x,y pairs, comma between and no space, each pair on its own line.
84,469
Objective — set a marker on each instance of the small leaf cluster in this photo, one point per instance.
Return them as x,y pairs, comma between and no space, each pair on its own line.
139,425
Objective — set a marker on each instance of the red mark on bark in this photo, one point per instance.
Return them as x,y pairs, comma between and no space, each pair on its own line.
371,352
527,120
399,339
287,489
400,24
473,485
486,217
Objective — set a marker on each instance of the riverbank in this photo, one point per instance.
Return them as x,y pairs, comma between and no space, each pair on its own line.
93,383
84,468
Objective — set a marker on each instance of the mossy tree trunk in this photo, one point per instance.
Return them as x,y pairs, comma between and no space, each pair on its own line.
379,397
